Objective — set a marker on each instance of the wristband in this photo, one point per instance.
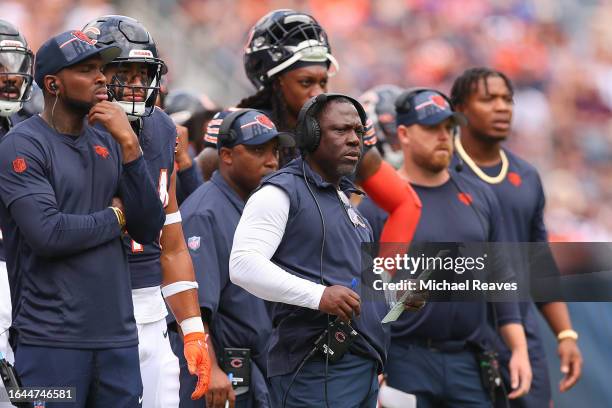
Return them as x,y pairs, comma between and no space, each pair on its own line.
192,325
567,334
173,218
177,287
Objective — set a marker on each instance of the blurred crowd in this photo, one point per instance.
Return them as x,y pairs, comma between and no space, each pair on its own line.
558,53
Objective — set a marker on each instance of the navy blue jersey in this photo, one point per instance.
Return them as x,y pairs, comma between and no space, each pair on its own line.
522,202
236,317
459,210
157,138
68,271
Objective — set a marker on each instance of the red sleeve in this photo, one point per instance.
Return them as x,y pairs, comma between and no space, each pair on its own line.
395,196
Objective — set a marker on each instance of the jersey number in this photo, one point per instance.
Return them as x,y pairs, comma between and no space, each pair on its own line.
162,188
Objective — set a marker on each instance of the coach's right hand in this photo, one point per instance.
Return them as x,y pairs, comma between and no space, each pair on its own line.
219,389
340,301
113,118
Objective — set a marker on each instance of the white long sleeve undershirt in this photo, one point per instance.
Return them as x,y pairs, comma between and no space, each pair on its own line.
258,235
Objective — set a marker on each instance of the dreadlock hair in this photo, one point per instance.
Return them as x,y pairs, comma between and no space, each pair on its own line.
466,84
270,98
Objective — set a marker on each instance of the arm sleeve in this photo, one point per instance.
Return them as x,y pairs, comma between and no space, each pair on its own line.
507,312
30,198
257,237
206,259
189,179
51,233
397,198
144,212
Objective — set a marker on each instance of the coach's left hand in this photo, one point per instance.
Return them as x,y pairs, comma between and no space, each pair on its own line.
198,362
571,363
520,373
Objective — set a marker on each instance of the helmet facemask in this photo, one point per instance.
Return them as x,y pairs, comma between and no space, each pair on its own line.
15,77
281,42
119,88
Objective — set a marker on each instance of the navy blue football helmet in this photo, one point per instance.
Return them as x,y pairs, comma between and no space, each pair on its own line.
137,45
280,39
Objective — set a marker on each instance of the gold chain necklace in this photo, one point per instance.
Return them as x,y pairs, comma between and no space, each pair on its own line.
477,170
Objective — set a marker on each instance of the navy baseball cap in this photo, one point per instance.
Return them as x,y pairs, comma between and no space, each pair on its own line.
250,127
425,107
66,49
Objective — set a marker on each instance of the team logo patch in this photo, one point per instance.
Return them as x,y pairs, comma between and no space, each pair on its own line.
193,243
465,198
92,29
19,165
264,121
101,151
81,36
515,179
439,101
236,362
340,337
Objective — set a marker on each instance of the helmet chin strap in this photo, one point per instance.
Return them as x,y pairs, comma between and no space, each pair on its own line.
134,110
7,108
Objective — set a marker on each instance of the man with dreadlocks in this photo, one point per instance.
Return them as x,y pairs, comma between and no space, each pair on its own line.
288,59
485,97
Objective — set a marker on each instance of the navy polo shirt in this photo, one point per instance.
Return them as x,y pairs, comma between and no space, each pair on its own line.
70,288
522,202
297,328
157,138
459,210
236,317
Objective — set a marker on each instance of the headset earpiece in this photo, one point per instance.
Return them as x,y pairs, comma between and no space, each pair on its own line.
226,135
308,130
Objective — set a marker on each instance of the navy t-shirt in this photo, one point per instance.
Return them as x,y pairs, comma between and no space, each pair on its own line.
157,137
459,210
5,126
70,282
236,317
522,202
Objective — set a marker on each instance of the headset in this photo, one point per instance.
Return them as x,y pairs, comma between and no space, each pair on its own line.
308,130
228,136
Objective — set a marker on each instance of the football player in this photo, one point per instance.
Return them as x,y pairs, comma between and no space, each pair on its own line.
134,78
485,97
